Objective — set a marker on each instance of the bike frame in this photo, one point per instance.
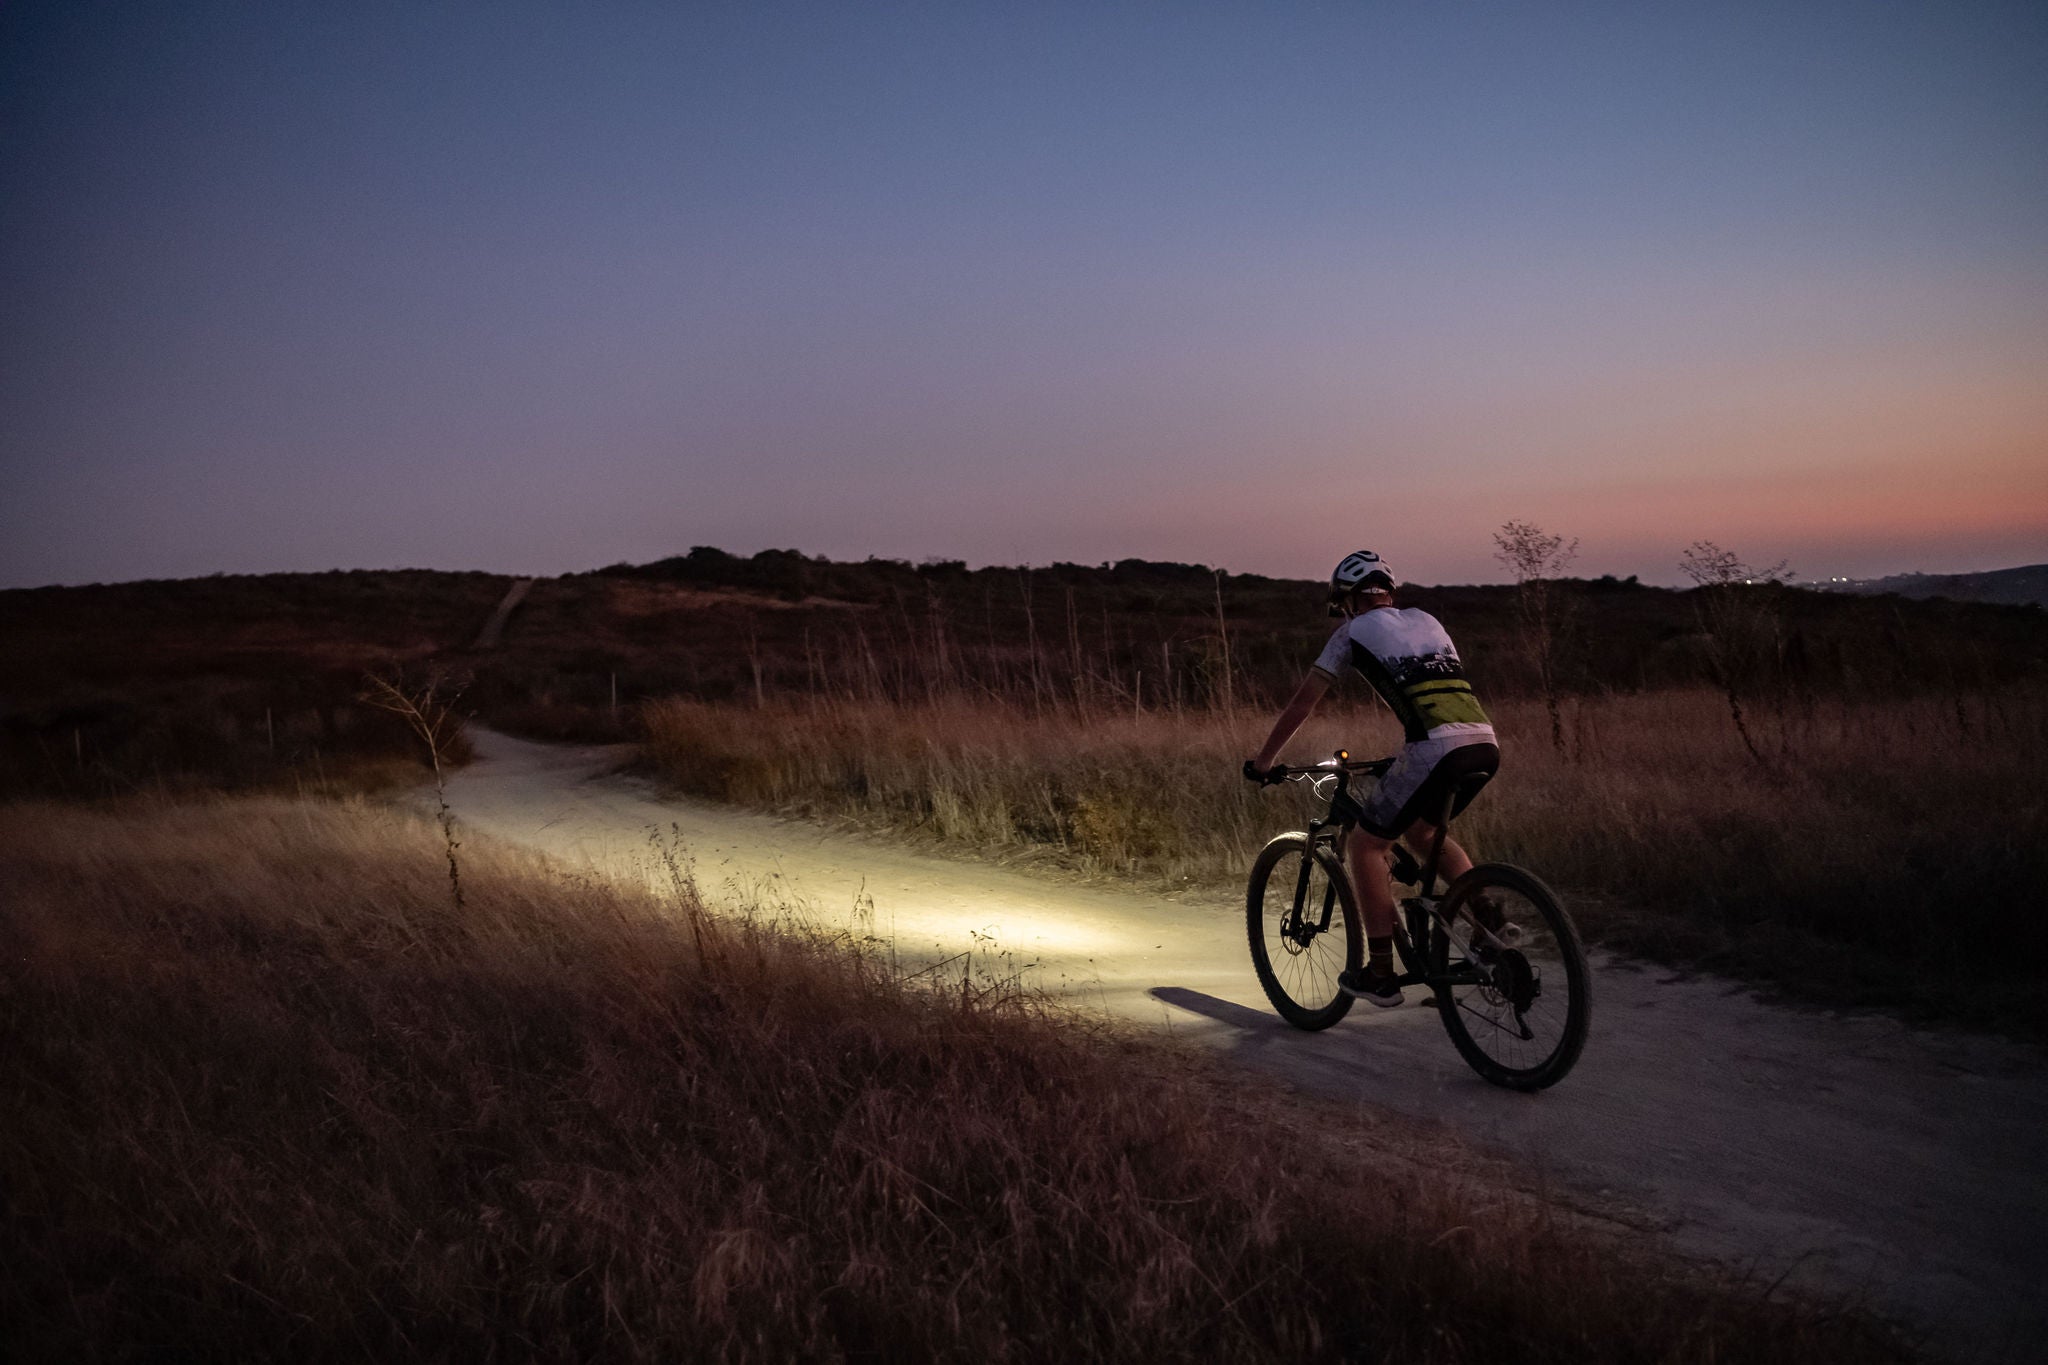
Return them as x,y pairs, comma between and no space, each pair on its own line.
1335,830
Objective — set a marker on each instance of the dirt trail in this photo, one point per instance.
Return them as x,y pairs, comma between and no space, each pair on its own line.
487,638
1849,1154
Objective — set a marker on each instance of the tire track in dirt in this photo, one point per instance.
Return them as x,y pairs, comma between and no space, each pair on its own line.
1845,1153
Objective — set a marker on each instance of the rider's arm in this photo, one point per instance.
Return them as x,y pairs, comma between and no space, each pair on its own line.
1297,710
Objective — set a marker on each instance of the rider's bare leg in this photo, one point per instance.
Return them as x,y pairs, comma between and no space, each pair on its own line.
1368,856
1451,864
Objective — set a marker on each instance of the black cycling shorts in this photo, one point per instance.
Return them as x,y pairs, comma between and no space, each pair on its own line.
1422,778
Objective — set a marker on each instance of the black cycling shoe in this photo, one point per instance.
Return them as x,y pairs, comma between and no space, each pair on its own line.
1375,988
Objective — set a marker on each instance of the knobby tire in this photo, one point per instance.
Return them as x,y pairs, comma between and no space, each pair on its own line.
1483,1022
1300,978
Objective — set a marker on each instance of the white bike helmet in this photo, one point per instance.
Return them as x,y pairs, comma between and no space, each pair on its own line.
1359,569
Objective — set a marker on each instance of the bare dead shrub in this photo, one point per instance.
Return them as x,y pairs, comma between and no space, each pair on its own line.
428,709
1741,621
1536,558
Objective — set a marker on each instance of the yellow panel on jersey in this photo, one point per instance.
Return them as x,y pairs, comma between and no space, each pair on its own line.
1446,701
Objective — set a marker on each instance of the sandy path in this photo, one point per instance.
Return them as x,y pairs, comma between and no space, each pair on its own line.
495,626
1846,1153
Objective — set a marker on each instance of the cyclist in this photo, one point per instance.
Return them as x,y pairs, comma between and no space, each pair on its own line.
1413,666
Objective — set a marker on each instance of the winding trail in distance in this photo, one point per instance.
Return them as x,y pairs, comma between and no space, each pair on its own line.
1847,1153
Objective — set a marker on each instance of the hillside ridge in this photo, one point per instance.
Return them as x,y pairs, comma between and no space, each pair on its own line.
2024,585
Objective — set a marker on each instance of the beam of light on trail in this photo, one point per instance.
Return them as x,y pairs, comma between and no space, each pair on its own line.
1036,929
914,921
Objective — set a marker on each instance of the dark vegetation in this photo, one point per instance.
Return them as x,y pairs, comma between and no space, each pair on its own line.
1144,631
241,681
226,682
271,1094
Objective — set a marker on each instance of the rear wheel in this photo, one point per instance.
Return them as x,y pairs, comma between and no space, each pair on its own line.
1516,1000
1303,926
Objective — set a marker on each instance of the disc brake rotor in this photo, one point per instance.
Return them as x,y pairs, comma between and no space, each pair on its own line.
1297,934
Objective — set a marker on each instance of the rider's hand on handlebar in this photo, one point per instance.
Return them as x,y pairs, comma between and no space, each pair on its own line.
1265,777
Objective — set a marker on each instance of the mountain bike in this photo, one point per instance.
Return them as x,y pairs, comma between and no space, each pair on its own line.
1496,949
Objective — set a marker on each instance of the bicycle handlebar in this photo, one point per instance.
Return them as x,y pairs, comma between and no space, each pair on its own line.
1280,772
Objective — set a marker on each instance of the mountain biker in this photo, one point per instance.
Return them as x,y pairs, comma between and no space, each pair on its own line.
1413,666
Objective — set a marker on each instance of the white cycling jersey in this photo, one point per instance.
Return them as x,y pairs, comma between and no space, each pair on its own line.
1410,661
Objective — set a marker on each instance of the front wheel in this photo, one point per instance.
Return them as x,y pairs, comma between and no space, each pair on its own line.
1512,982
1303,926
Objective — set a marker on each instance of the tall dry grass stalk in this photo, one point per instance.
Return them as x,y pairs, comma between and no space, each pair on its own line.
1877,858
269,1095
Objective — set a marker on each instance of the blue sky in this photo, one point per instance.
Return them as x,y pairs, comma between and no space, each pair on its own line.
542,287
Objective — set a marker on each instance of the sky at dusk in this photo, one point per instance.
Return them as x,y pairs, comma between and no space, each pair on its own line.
542,287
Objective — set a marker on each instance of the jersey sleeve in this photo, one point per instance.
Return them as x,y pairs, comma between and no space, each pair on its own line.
1336,653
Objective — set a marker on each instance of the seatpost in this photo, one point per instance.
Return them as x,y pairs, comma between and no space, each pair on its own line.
1436,847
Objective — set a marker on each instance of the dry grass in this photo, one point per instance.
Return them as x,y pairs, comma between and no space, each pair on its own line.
1880,853
270,1096
1884,853
1151,793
